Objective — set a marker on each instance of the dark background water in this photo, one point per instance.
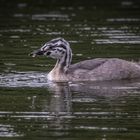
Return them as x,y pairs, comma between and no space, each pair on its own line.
32,108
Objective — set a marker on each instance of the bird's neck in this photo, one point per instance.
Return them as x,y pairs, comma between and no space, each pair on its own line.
60,70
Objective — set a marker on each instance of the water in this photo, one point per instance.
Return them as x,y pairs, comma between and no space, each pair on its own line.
33,108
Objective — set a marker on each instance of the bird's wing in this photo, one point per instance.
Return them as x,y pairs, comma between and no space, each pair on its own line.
88,64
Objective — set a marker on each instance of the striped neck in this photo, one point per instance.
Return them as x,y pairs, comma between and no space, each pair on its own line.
63,64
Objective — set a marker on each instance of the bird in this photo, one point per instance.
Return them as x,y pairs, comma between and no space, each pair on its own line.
97,69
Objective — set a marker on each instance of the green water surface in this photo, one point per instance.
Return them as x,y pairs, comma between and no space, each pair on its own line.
31,107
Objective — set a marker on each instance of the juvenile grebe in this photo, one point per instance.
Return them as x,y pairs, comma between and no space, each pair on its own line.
98,69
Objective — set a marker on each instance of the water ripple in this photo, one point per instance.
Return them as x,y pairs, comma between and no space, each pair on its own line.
23,79
123,19
8,131
51,16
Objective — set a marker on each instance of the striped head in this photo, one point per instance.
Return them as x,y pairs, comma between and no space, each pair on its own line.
58,49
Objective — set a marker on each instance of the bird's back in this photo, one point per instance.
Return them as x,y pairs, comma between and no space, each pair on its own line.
104,69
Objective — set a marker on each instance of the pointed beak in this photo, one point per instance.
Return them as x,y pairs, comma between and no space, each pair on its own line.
37,52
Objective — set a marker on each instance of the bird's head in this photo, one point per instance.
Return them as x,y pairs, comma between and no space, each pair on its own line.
55,48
